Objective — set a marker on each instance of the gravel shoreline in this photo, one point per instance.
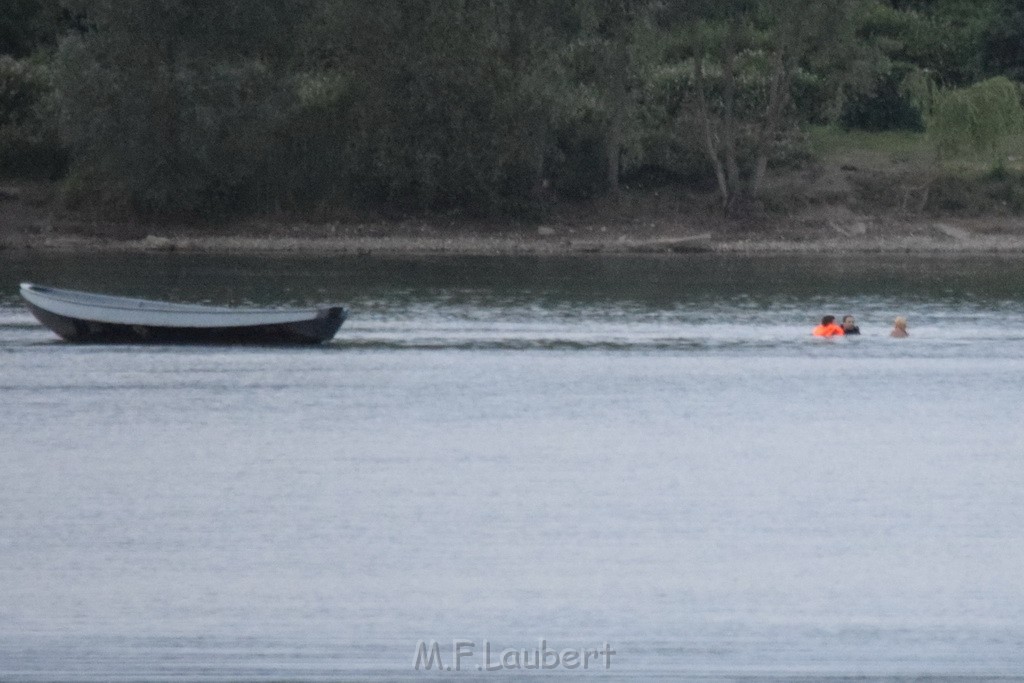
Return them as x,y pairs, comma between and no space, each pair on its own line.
513,245
829,230
32,219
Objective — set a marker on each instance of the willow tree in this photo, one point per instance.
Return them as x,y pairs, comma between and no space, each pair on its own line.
736,42
979,118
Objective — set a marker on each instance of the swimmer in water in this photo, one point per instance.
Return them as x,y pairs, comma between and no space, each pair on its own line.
828,328
899,330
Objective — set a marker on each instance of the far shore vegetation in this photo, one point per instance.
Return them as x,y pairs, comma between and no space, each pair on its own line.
495,110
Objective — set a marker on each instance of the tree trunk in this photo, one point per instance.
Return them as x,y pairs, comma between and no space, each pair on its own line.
782,73
614,151
711,142
618,96
729,126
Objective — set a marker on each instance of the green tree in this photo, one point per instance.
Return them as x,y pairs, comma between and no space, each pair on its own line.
607,56
168,106
450,101
768,41
1001,53
978,119
29,144
944,37
28,25
955,42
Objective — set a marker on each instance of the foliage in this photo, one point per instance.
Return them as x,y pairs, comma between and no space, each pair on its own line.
21,88
887,107
979,118
942,41
489,107
310,160
977,194
768,40
1001,52
943,36
167,105
28,25
611,55
670,133
29,142
449,105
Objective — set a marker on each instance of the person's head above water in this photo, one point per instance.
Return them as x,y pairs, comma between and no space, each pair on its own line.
828,328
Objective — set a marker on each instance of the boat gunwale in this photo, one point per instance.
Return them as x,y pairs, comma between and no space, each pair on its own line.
124,303
111,309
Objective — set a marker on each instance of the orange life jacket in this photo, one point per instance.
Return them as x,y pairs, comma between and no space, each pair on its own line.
831,330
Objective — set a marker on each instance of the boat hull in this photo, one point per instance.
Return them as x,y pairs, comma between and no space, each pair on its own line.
278,327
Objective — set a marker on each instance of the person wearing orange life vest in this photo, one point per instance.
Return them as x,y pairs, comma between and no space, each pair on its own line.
828,328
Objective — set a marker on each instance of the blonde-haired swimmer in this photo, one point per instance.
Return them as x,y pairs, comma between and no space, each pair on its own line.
899,329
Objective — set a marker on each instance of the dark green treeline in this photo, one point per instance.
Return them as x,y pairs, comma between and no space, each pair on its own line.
488,107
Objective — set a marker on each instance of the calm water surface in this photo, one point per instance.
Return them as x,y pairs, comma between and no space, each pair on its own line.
646,452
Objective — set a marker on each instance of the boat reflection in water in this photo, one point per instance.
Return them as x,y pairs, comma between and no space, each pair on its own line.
99,318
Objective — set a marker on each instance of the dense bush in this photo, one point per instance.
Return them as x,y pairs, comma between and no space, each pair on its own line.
176,122
1001,53
974,195
670,140
887,107
575,162
29,143
26,26
448,110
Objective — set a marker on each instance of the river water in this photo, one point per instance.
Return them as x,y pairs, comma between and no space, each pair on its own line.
646,452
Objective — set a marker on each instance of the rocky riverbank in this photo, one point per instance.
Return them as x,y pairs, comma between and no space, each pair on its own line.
913,237
28,221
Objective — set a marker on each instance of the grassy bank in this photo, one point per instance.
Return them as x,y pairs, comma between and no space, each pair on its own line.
885,151
901,171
